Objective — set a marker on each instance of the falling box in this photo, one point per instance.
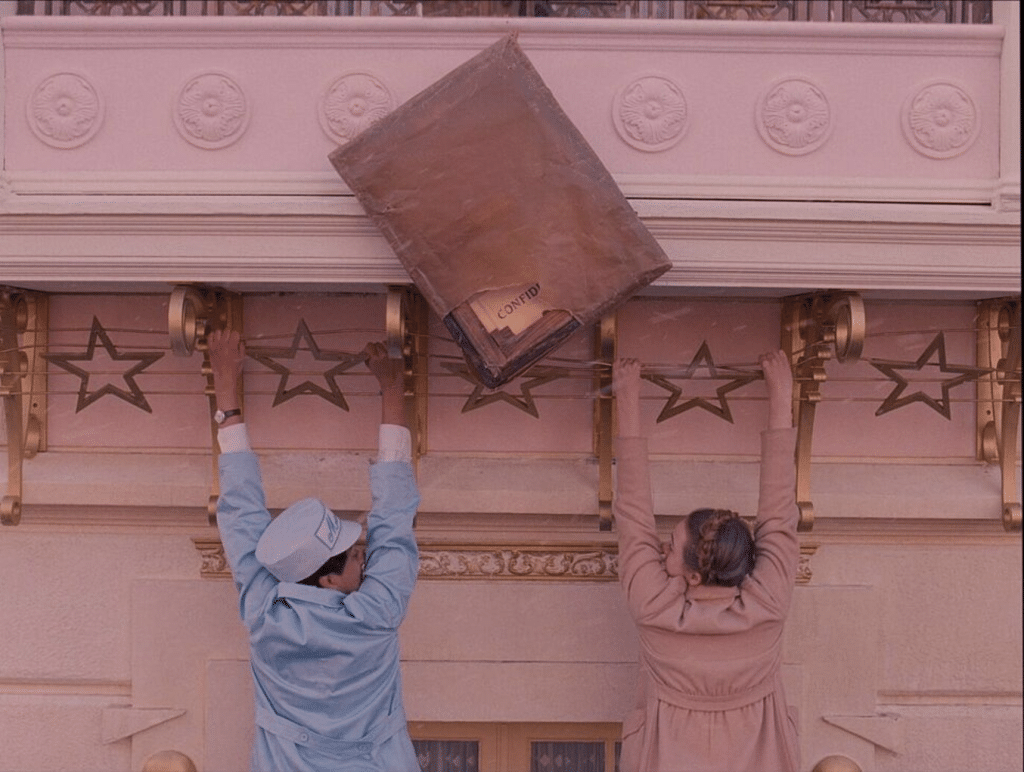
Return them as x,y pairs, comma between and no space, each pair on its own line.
504,217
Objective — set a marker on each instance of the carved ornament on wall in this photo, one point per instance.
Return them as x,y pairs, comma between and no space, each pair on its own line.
564,562
211,111
940,120
65,110
650,113
353,103
482,396
794,117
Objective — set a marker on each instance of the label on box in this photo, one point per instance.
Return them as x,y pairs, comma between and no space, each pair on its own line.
513,307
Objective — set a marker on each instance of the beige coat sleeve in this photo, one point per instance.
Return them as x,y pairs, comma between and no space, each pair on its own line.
649,589
778,549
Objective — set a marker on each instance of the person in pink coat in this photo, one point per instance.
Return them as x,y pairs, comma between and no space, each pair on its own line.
709,606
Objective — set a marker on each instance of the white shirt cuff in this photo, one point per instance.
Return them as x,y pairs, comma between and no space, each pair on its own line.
394,443
233,439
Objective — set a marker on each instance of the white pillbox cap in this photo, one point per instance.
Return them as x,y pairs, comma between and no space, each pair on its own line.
301,539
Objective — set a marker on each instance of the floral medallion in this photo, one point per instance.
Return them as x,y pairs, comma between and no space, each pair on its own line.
353,103
794,117
211,111
940,120
65,111
650,113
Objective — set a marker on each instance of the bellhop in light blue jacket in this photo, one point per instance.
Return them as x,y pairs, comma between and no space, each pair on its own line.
325,663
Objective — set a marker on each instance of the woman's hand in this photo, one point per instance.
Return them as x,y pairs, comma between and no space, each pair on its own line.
778,378
626,386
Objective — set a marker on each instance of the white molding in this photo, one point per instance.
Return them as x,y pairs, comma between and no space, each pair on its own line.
471,34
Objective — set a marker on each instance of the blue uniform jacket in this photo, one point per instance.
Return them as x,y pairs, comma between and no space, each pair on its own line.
325,663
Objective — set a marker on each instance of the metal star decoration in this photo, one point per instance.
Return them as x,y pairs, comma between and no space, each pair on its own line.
333,394
702,359
534,377
941,406
132,396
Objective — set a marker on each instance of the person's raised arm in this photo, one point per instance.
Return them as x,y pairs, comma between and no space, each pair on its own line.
390,374
778,378
392,558
778,550
227,354
626,386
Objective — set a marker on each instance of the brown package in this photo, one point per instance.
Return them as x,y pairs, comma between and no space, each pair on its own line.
502,214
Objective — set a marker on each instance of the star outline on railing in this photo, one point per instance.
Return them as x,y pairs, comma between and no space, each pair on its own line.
703,355
531,379
135,396
942,406
346,360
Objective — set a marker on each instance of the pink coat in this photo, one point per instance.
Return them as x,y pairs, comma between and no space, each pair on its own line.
710,697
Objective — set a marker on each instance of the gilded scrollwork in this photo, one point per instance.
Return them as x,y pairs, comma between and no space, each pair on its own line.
571,562
940,120
212,111
65,110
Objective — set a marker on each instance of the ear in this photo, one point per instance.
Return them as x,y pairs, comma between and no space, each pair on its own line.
692,577
330,581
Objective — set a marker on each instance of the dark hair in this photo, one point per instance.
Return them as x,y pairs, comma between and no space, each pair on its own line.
720,547
333,565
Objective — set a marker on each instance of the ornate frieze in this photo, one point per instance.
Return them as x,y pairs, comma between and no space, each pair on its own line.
65,110
794,117
940,120
353,103
650,113
565,562
211,111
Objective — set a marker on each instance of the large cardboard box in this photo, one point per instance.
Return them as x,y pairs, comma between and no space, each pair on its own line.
502,214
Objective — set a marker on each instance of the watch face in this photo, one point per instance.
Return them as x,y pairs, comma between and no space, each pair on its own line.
219,416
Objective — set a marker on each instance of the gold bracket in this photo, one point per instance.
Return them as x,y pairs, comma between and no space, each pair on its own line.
999,397
406,320
814,326
194,312
22,387
605,347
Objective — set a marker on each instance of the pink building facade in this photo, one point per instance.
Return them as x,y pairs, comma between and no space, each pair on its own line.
849,191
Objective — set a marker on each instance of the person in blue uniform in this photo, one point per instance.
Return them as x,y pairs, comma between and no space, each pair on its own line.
322,612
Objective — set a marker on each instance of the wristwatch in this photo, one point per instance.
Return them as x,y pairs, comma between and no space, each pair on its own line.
223,415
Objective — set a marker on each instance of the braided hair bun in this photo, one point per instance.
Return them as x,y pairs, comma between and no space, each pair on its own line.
720,547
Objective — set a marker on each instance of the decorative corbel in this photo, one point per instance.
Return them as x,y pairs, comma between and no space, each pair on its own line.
604,430
406,320
193,312
814,326
999,397
22,387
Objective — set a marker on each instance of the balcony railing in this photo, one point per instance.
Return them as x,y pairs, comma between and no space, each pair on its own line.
898,11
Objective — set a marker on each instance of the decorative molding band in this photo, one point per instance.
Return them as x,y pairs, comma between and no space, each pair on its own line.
564,562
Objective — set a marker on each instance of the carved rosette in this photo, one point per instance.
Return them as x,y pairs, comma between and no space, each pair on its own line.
65,111
353,103
211,111
650,113
940,120
794,117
